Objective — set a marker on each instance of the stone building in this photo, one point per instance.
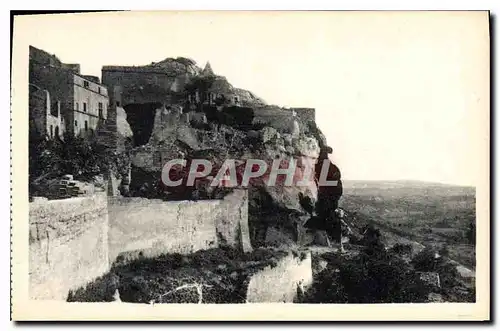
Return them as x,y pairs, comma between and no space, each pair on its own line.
154,83
45,116
63,99
215,90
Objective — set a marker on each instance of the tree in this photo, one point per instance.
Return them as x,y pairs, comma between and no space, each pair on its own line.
471,233
72,155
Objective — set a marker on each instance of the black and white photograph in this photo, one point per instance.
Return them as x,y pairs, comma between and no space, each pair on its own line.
303,159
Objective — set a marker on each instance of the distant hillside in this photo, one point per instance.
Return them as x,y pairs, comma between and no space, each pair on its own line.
433,214
405,188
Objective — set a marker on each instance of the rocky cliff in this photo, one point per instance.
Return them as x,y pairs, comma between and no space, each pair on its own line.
277,214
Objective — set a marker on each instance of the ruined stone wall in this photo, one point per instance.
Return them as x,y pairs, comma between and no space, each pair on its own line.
68,245
58,82
39,106
282,119
154,227
156,84
305,114
281,283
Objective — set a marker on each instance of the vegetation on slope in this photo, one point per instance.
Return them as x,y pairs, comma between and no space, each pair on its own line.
439,216
216,275
73,155
379,275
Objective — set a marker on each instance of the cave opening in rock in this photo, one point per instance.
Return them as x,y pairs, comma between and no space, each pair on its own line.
141,117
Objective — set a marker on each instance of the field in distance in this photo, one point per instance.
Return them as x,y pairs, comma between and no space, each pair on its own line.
438,215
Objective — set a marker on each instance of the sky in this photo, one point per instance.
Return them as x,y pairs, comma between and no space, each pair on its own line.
399,96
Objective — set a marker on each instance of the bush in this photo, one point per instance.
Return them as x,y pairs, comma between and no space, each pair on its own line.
72,155
381,278
373,276
402,249
426,260
368,278
452,285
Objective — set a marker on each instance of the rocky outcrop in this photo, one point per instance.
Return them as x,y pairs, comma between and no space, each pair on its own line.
171,125
284,207
221,86
176,66
122,126
211,130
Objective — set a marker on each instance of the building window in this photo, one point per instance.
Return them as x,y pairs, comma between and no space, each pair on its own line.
100,110
54,109
99,90
57,131
85,84
76,123
85,107
118,104
51,132
77,106
86,125
157,158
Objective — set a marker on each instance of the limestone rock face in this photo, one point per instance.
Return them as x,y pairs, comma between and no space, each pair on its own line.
169,126
307,146
268,133
177,66
122,126
177,133
283,206
295,129
248,98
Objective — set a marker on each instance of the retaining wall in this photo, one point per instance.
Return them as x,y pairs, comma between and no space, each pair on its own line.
73,241
155,227
68,244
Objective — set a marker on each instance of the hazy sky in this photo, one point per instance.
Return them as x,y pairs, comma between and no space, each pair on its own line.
398,95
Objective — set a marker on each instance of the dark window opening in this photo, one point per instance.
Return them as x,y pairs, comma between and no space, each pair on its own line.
100,110
85,84
54,109
77,106
85,107
86,126
99,90
57,131
157,158
51,131
76,123
118,104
